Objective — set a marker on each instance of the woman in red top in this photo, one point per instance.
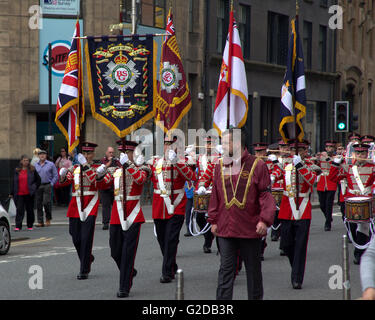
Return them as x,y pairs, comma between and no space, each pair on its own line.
25,182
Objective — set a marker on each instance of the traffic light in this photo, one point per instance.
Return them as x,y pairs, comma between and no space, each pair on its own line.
341,116
353,122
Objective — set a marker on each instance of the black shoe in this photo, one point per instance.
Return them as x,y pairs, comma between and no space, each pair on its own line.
122,294
357,260
282,253
165,279
188,234
206,249
296,285
82,276
105,226
327,228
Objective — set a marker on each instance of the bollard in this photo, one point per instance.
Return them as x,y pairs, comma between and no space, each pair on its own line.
345,260
180,285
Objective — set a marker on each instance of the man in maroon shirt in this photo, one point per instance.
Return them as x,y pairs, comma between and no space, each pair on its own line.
241,208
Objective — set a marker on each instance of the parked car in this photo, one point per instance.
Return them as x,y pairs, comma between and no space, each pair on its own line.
5,238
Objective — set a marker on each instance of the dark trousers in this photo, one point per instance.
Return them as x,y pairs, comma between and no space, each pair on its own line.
25,202
83,237
124,246
208,236
326,199
276,225
250,254
168,234
358,237
63,195
189,206
106,197
43,200
294,239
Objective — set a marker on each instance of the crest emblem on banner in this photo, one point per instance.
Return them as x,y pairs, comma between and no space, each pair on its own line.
121,78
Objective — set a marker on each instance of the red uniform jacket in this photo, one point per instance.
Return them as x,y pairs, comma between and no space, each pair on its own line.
90,189
181,173
135,179
366,173
205,177
306,178
239,221
324,182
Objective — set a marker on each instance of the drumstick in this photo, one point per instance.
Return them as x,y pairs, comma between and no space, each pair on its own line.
363,159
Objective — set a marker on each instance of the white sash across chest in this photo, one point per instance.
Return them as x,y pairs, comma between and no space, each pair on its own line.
125,223
358,179
297,214
86,211
163,190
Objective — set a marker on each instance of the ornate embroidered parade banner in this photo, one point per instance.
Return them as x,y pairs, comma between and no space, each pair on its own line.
173,96
121,81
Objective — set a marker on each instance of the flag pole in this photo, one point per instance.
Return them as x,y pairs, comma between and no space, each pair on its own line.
230,49
295,114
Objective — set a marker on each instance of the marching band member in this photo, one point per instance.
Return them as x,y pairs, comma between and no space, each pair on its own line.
295,224
125,226
82,223
360,176
168,205
205,165
326,188
260,150
283,158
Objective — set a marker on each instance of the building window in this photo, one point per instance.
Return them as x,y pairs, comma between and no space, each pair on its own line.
243,23
222,24
153,13
307,43
278,26
191,4
323,48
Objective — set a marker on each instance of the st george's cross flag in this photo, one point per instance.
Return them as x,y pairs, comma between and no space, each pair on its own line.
293,91
232,84
70,110
173,98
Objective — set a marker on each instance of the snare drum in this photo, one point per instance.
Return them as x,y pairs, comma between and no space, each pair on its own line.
201,202
358,208
277,194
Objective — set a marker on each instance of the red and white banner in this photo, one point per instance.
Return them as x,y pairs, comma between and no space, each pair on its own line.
232,79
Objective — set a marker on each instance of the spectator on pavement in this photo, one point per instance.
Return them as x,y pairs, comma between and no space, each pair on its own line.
48,175
25,183
62,193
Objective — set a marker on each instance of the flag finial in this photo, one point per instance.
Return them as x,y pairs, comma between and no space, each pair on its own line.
297,8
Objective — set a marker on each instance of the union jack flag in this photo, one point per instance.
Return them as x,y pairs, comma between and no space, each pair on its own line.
70,108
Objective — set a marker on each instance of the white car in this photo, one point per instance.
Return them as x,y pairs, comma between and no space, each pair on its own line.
5,238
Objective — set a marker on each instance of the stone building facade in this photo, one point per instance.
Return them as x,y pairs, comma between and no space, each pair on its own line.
355,61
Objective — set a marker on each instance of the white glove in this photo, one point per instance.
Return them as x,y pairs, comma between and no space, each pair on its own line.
202,190
189,149
63,172
172,156
219,149
296,159
373,158
337,159
272,157
101,170
123,158
273,179
140,160
81,159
